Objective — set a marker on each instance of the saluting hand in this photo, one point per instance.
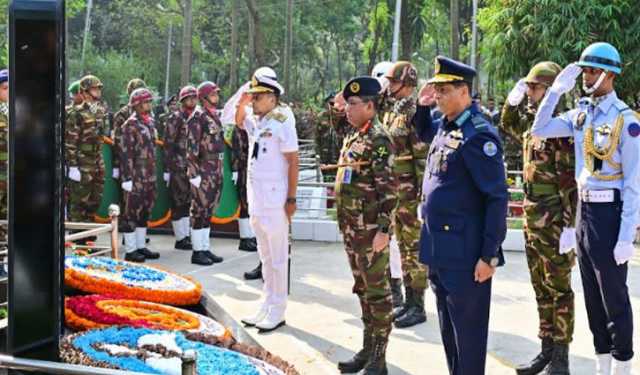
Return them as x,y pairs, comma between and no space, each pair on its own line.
427,95
483,271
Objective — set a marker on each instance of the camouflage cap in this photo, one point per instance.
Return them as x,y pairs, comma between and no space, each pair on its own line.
404,72
543,73
74,88
135,83
89,82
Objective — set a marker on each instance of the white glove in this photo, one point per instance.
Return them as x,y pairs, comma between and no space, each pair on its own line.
566,80
115,173
567,240
623,252
419,213
166,176
234,178
196,181
74,174
517,93
127,186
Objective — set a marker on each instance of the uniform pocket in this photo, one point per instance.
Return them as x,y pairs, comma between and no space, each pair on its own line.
275,194
448,236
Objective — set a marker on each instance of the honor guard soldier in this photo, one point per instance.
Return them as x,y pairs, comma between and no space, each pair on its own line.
464,211
138,164
365,199
607,170
550,206
272,185
118,120
205,154
408,168
175,156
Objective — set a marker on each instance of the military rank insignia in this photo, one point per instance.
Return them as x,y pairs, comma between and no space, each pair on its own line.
382,151
355,87
582,117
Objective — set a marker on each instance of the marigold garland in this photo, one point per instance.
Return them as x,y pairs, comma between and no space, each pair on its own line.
81,279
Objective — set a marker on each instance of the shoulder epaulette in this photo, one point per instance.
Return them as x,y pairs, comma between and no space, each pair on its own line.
479,122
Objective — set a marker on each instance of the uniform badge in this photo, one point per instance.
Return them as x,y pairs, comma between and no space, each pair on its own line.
346,175
355,87
582,116
221,156
634,130
490,148
382,151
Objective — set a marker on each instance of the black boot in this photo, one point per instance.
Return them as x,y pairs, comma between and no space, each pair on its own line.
135,256
148,253
540,361
214,258
399,311
201,258
559,364
377,363
183,244
254,274
415,313
396,293
359,360
248,244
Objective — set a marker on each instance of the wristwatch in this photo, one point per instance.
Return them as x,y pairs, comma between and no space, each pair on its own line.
492,261
291,200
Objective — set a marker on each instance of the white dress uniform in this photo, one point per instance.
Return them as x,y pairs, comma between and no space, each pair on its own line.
270,137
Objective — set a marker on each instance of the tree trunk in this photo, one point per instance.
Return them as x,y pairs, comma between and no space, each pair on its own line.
233,73
187,40
258,47
406,31
252,44
455,29
339,62
373,53
288,47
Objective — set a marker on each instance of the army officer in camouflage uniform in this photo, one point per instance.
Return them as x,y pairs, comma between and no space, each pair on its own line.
550,208
365,199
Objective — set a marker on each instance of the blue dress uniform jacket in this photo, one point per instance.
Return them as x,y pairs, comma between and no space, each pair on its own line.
465,191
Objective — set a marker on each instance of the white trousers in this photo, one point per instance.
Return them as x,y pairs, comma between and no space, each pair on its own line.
395,263
272,236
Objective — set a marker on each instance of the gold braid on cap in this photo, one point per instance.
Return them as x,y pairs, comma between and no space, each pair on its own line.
605,154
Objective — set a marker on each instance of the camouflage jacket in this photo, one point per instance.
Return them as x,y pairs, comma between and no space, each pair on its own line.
331,129
205,144
137,159
175,142
365,194
239,150
4,144
548,175
398,123
116,133
85,126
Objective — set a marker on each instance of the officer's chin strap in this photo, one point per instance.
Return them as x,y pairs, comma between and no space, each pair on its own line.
594,87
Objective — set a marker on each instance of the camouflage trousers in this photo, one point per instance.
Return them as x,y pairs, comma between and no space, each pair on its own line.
85,196
241,187
551,278
137,206
407,230
179,195
371,280
204,201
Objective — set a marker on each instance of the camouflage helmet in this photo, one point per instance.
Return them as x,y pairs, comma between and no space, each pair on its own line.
543,73
404,72
89,82
186,92
139,96
74,88
135,83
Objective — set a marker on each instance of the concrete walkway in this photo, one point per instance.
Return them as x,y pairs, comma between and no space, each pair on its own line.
323,324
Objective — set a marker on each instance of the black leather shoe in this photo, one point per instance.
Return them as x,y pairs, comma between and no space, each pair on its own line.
201,258
540,361
183,244
254,274
135,256
148,253
248,244
214,258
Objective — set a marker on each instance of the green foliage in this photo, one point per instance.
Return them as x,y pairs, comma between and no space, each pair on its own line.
520,33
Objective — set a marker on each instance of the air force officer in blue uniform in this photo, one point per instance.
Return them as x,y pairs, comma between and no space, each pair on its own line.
464,212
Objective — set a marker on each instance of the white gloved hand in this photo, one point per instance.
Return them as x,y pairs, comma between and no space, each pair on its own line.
234,178
419,213
566,80
517,93
196,181
623,252
567,240
115,173
74,174
127,186
166,176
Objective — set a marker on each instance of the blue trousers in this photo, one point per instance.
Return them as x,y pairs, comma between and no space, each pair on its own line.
604,282
463,310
